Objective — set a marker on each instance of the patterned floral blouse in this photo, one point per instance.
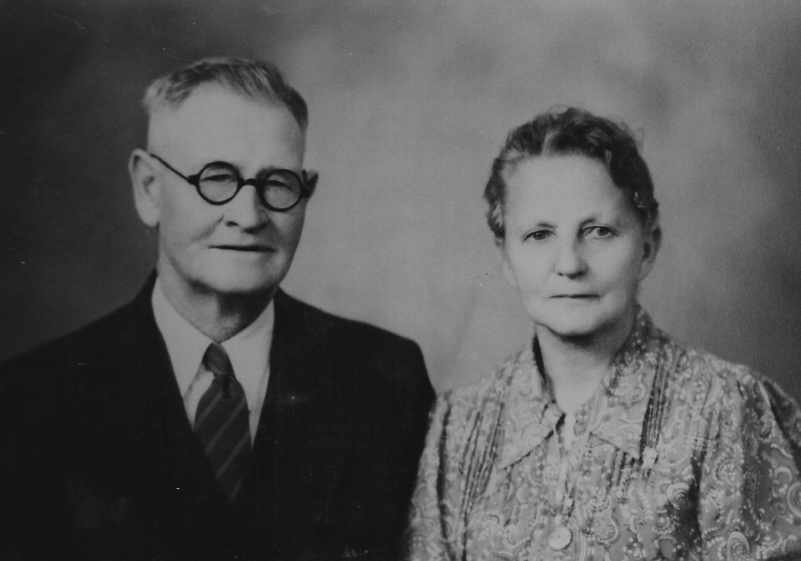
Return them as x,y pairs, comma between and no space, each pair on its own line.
678,455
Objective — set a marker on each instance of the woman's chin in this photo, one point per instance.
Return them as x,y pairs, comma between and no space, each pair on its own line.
565,330
575,324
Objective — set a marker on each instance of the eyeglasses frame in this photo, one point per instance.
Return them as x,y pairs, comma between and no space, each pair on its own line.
306,179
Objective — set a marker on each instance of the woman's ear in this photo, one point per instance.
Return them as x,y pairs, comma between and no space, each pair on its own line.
652,241
146,187
506,267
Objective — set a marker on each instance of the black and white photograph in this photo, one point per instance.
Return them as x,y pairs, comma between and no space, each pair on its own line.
401,280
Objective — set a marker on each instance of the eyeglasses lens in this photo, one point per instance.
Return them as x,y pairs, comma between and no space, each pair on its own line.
218,183
281,188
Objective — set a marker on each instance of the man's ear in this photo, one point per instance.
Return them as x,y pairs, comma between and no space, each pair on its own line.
652,241
146,187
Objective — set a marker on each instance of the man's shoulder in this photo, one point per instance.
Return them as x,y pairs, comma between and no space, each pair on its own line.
94,342
367,355
339,329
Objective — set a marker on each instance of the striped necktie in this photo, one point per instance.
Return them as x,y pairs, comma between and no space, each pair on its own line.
221,422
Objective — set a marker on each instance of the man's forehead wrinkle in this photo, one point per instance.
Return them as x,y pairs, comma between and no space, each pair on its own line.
210,93
161,132
172,133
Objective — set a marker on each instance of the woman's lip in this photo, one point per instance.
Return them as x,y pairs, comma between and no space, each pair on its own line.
252,248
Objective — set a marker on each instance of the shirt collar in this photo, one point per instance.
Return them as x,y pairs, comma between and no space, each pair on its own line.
185,344
619,405
248,350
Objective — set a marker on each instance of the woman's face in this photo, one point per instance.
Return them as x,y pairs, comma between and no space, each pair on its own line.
574,247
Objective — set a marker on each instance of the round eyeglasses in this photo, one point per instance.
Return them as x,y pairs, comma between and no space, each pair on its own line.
219,182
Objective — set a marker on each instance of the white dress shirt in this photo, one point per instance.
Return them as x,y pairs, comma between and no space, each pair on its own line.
248,350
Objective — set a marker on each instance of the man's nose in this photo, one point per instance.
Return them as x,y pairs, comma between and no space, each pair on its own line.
569,260
246,209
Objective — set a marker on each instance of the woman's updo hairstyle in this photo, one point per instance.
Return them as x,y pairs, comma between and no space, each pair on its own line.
573,131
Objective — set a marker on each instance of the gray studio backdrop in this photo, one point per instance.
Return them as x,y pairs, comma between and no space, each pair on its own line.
410,100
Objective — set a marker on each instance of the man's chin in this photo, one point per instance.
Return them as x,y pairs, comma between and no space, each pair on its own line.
239,287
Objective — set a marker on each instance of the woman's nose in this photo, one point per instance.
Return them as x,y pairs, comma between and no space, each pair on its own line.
570,261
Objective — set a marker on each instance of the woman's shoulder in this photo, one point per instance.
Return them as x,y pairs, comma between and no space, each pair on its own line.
488,393
704,367
472,415
468,422
723,383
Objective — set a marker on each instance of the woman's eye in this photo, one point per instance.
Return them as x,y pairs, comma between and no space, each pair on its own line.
538,235
598,232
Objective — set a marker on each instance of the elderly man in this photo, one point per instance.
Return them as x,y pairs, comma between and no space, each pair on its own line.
215,416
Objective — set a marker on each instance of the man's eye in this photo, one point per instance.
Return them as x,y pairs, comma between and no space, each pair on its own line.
279,179
278,182
220,177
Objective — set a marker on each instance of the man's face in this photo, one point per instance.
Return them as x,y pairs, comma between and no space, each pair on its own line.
239,248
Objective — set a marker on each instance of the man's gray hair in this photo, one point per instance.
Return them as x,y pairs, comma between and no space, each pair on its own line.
251,78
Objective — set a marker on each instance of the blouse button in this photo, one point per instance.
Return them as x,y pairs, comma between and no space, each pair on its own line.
668,549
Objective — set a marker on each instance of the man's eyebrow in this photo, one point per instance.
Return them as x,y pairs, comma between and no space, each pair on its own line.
238,167
270,169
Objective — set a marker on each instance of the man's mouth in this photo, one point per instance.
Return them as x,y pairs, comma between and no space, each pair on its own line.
249,248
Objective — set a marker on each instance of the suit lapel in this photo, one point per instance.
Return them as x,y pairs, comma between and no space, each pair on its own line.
174,464
303,435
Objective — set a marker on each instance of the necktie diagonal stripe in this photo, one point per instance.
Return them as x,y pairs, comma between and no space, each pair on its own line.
221,422
218,432
201,416
230,461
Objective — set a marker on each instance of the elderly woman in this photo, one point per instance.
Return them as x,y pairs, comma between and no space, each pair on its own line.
602,438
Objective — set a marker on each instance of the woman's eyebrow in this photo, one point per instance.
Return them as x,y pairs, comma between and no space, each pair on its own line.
610,218
538,224
592,218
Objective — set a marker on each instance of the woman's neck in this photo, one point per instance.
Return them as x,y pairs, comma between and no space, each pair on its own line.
575,366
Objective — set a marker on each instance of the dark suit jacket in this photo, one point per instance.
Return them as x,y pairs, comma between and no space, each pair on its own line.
100,461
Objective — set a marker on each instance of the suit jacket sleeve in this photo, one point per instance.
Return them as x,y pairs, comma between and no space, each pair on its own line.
34,522
387,450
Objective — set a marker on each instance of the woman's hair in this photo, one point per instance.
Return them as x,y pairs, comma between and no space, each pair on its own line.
256,79
573,131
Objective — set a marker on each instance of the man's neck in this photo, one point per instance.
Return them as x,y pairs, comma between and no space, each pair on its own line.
218,316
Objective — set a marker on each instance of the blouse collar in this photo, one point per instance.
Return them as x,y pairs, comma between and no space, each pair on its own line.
531,414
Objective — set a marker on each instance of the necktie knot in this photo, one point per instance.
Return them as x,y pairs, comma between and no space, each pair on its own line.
221,422
217,361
